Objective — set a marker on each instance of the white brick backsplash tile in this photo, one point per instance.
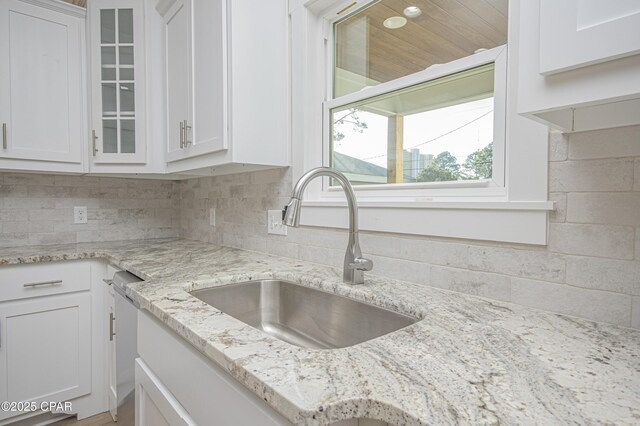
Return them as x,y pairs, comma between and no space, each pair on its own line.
559,214
322,255
558,146
483,284
605,274
53,238
621,208
608,143
28,226
435,252
28,203
13,215
637,243
8,239
591,175
28,179
522,263
636,175
635,313
592,240
14,191
404,270
595,305
279,247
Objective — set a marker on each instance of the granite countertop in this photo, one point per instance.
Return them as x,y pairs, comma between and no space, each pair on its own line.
468,361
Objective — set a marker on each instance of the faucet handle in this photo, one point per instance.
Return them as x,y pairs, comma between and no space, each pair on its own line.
361,264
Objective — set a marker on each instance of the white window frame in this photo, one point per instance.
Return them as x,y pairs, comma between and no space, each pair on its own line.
510,207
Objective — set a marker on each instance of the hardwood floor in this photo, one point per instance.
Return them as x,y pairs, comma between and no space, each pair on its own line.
103,419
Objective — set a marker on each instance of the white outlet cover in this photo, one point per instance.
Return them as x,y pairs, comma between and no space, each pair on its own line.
80,214
274,223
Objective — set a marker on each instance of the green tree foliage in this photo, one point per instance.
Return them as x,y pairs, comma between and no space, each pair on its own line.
478,164
444,167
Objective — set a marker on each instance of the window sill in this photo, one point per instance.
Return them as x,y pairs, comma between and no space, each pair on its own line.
523,222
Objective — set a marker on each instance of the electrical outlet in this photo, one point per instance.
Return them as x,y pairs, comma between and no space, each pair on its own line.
274,223
212,216
80,214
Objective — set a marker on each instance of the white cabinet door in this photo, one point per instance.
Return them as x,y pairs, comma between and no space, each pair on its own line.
111,352
178,70
576,33
577,70
45,349
196,78
155,406
42,105
118,81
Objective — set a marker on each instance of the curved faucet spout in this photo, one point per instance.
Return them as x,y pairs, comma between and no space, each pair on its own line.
354,263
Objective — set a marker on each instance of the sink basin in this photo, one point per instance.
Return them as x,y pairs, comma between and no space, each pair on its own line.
301,315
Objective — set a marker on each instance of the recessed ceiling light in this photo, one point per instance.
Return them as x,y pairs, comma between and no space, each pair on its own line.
412,12
395,22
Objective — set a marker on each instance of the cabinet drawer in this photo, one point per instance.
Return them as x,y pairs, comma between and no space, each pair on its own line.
43,279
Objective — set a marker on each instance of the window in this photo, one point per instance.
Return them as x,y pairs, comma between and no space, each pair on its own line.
418,108
431,126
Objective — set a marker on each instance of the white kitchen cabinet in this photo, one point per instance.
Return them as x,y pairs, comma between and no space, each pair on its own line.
51,338
126,87
116,30
579,63
46,349
207,393
155,406
42,86
196,78
112,380
226,84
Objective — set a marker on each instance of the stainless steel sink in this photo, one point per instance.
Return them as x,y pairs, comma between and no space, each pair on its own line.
301,315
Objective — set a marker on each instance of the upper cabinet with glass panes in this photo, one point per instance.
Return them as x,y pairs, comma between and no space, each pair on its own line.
413,92
117,81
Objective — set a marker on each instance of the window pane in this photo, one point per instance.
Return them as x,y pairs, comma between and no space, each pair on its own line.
109,99
107,26
441,130
126,55
388,39
110,136
127,98
125,25
108,63
128,136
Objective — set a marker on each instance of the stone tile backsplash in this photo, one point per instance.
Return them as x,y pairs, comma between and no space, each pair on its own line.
38,209
590,267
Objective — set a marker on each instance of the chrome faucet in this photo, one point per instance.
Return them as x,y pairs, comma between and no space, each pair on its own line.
354,263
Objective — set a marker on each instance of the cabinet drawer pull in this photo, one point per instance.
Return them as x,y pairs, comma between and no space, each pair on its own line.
181,134
33,285
187,142
4,135
111,332
94,148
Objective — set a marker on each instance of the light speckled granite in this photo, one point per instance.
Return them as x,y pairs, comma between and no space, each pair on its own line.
469,361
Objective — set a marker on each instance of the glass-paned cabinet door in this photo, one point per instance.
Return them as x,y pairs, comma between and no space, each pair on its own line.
117,81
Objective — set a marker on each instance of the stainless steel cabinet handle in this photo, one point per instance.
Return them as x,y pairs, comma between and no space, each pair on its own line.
181,134
93,142
32,285
187,142
4,135
111,332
